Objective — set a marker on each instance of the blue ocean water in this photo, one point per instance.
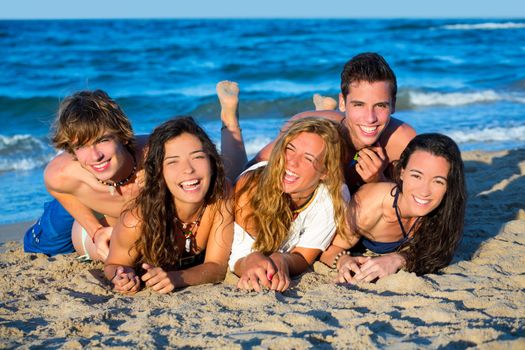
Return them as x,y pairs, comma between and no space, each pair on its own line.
464,78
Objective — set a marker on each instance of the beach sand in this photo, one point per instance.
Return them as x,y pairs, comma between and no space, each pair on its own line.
479,300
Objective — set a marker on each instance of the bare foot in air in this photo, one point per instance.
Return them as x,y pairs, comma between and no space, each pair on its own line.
228,94
323,103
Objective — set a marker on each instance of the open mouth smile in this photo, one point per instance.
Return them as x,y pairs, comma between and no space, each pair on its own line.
100,167
290,177
420,201
369,130
190,185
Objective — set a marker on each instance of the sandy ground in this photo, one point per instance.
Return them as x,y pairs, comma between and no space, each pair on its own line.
478,300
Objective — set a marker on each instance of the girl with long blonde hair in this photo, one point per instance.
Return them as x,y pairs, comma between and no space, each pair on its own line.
287,210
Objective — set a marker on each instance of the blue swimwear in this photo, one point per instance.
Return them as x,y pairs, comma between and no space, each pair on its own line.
51,234
382,247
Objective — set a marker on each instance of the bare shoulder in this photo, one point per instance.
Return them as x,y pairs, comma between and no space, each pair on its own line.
130,218
244,190
396,137
60,174
331,115
368,203
243,180
372,194
127,229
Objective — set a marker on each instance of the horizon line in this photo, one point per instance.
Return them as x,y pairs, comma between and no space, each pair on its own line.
266,18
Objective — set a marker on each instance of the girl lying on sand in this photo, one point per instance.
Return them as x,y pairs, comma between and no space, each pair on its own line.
288,209
178,231
415,223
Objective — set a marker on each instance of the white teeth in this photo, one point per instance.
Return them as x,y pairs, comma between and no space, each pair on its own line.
421,201
290,173
101,165
368,128
190,184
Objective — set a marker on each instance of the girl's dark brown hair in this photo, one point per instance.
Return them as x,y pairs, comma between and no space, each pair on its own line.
438,233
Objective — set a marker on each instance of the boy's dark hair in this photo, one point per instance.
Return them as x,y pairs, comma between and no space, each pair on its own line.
370,67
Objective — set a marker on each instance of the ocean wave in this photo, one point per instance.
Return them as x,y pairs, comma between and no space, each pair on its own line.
491,134
23,152
281,87
23,163
485,26
254,145
288,87
452,98
450,59
19,142
417,98
200,90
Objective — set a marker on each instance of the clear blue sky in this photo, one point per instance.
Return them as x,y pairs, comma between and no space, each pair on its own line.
30,9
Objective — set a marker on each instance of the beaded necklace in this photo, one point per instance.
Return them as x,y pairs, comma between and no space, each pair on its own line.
112,186
189,229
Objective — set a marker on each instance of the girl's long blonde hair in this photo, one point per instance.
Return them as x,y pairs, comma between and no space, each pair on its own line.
271,209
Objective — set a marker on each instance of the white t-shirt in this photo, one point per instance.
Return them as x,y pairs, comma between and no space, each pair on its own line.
313,228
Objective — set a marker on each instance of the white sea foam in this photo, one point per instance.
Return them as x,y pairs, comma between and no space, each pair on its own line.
252,145
23,163
275,86
419,98
256,144
23,152
288,87
201,90
17,140
450,59
486,135
456,98
485,26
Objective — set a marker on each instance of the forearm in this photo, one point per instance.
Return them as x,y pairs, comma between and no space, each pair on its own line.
398,260
82,214
246,262
239,267
338,246
208,272
329,255
295,262
110,270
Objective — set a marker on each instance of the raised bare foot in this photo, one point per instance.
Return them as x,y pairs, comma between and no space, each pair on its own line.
324,103
228,94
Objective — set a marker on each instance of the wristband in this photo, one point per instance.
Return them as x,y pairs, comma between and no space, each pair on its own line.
338,256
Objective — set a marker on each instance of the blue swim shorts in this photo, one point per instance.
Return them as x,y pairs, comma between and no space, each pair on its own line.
51,234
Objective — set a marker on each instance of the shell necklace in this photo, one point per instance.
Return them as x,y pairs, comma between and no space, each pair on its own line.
189,229
112,186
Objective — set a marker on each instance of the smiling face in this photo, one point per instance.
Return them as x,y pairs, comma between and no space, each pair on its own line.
367,110
186,169
106,158
424,183
304,166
